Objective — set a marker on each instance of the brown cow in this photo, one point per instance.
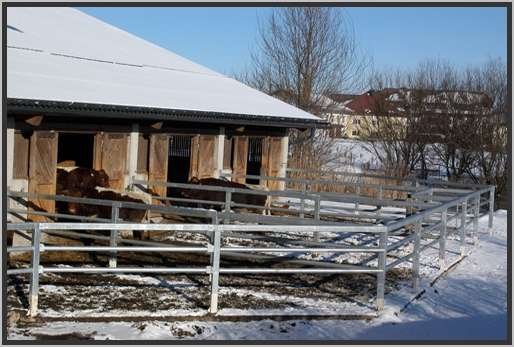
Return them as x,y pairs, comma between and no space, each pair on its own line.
78,183
80,179
238,198
100,211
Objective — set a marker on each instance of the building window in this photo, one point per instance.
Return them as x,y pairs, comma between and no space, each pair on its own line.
354,121
355,132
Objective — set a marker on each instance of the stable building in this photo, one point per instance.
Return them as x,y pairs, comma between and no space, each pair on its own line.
82,92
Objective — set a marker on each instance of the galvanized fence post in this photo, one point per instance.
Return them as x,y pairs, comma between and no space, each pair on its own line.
381,276
228,204
302,201
476,213
357,205
317,203
456,216
442,240
491,209
380,197
113,241
463,228
416,255
34,279
215,266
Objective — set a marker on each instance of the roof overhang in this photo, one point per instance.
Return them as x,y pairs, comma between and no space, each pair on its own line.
77,109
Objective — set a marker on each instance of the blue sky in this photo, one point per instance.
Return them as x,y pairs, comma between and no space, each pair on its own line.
222,38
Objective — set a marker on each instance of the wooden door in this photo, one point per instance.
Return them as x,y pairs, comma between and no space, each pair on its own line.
158,162
274,157
203,156
265,160
240,159
206,156
43,171
195,153
110,154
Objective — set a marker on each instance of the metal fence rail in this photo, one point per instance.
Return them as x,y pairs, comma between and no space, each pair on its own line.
437,213
214,248
306,199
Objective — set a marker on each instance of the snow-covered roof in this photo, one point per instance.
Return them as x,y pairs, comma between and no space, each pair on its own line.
64,55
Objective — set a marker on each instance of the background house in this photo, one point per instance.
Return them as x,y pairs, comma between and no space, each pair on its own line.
359,113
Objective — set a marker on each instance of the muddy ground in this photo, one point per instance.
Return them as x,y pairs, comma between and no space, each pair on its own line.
159,293
93,294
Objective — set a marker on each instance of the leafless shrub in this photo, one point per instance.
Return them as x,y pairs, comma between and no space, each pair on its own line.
447,117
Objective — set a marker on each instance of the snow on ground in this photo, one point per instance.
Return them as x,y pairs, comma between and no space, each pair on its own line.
467,303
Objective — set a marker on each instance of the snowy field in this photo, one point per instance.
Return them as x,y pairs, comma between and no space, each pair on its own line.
469,302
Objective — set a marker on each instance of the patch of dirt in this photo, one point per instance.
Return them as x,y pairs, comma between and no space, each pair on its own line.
105,293
70,336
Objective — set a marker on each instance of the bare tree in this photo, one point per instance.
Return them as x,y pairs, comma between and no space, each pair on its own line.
442,116
305,54
490,140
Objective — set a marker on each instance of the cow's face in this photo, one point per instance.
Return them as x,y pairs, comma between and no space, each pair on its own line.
102,180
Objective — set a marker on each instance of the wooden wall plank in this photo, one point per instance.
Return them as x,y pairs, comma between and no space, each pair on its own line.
227,154
43,170
240,159
274,162
271,161
158,161
142,154
195,155
207,156
21,156
265,159
97,150
114,154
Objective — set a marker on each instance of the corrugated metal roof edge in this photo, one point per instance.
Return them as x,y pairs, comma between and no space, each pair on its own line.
16,105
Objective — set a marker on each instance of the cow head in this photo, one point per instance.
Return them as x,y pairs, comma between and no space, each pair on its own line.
101,178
